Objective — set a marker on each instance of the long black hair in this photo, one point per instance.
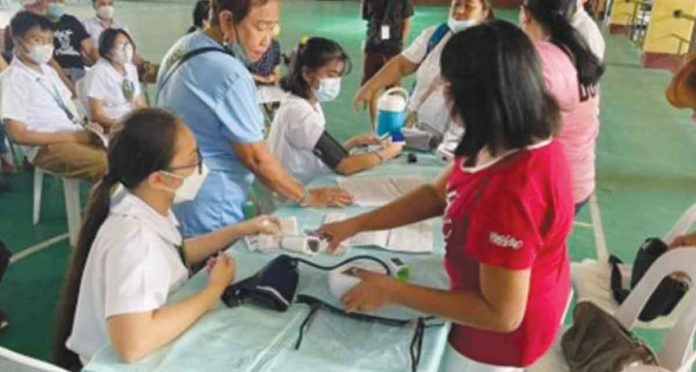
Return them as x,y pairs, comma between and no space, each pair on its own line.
201,12
313,54
107,40
145,144
555,16
495,85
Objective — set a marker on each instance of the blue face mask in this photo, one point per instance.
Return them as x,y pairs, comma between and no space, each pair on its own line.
55,11
328,89
239,52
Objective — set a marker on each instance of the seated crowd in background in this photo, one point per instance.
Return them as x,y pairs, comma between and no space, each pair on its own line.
187,168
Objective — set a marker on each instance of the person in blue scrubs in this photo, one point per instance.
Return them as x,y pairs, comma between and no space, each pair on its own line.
215,94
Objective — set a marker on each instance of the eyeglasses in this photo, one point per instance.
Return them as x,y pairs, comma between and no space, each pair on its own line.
128,90
198,165
270,28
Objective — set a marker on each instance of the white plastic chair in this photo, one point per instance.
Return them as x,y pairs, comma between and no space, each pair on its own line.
676,354
679,340
71,192
591,278
15,362
10,146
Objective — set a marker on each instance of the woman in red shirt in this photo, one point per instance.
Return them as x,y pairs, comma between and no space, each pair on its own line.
507,203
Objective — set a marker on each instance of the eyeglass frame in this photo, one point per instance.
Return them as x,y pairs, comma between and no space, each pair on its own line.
199,164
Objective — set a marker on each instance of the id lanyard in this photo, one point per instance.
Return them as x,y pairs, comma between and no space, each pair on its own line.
128,90
59,101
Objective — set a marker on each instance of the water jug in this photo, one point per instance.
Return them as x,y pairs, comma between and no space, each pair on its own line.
391,111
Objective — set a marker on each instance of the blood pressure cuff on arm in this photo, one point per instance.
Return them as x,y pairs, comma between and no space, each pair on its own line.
329,150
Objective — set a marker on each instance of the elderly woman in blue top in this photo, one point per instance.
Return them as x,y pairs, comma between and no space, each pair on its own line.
204,79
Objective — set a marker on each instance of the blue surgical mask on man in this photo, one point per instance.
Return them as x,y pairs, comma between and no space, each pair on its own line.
55,11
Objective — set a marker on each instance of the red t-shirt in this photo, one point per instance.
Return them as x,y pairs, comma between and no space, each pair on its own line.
515,213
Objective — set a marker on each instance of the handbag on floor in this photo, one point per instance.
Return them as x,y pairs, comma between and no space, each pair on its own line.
597,342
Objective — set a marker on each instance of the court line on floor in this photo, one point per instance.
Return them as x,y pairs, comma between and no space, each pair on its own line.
583,224
600,241
38,248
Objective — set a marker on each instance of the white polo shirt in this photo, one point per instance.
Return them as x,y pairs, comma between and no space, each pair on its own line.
430,107
295,131
32,99
103,82
95,27
132,267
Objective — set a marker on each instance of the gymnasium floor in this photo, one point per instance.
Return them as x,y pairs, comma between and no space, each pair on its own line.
646,158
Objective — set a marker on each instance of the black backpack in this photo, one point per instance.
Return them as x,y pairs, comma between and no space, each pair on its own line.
668,293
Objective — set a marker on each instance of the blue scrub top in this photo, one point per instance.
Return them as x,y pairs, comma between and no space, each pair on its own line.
215,95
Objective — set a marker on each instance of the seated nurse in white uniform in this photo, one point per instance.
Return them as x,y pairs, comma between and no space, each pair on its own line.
130,254
298,135
112,88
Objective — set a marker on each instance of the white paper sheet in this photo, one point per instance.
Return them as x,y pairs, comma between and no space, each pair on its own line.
406,184
269,94
414,238
379,190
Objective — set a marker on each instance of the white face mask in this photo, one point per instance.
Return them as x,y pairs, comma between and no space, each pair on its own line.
328,90
123,55
106,12
458,26
191,185
40,54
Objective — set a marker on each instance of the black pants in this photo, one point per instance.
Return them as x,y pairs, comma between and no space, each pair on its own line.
373,63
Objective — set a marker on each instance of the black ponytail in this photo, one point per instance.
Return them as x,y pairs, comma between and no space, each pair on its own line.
555,16
145,144
96,213
315,53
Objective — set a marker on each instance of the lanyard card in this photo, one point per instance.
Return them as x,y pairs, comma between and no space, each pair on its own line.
386,32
